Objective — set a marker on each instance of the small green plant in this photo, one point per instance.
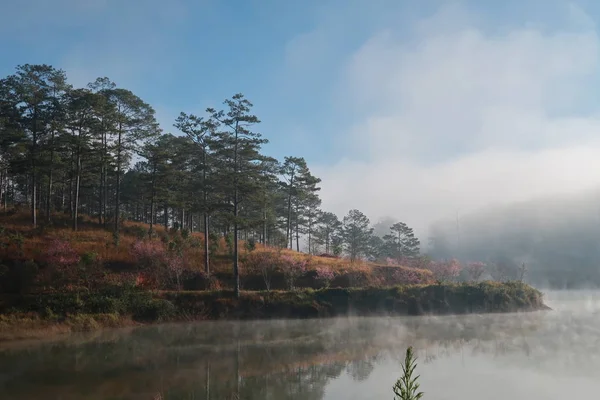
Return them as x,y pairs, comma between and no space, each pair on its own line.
229,242
213,243
18,241
250,245
116,238
406,388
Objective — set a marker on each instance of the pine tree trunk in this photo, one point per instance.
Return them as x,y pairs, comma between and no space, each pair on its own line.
50,176
118,183
236,271
152,195
206,246
33,166
166,220
205,214
77,181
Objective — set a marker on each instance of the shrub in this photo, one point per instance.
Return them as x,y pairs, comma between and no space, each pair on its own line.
325,275
447,270
250,245
148,253
213,242
89,266
154,310
475,270
138,231
292,269
17,239
229,242
265,263
60,253
102,304
408,276
176,266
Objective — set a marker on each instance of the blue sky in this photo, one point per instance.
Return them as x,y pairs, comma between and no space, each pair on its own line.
413,109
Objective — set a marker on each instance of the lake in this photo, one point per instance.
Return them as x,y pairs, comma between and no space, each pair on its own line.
542,355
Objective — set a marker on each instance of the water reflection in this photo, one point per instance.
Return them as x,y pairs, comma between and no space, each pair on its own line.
315,359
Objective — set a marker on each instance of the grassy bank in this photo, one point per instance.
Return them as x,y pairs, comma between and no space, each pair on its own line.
26,316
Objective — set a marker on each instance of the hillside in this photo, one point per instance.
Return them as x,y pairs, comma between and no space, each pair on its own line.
50,258
54,280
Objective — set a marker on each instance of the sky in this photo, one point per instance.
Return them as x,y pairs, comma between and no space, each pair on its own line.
416,110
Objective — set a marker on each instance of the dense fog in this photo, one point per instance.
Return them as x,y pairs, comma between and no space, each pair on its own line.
558,239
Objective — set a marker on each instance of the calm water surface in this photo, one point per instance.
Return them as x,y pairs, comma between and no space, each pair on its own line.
546,355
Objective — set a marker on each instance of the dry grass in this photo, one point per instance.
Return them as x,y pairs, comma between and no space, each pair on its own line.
118,260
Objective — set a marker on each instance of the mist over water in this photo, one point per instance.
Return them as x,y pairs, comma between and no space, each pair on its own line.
542,355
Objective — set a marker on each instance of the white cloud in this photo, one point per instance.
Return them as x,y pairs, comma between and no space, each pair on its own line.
459,118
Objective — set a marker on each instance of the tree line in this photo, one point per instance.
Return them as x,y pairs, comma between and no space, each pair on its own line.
99,150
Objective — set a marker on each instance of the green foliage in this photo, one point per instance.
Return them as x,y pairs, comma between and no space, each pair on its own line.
117,300
18,240
401,242
116,238
229,242
213,242
154,310
89,258
356,234
407,386
250,244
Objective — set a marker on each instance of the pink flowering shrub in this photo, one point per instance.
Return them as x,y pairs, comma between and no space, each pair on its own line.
176,265
264,263
475,270
324,274
446,270
292,269
409,276
149,253
61,254
390,261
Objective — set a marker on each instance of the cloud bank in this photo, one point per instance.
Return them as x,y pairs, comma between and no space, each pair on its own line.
458,118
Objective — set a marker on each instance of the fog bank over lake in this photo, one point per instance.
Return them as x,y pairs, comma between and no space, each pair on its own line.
540,355
556,237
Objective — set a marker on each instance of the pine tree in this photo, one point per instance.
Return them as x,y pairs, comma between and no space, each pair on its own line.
328,229
401,242
133,123
237,150
356,234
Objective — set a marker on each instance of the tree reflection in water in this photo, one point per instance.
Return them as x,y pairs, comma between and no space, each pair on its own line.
254,360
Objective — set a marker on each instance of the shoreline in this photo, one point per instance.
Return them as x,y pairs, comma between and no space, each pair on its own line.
32,317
